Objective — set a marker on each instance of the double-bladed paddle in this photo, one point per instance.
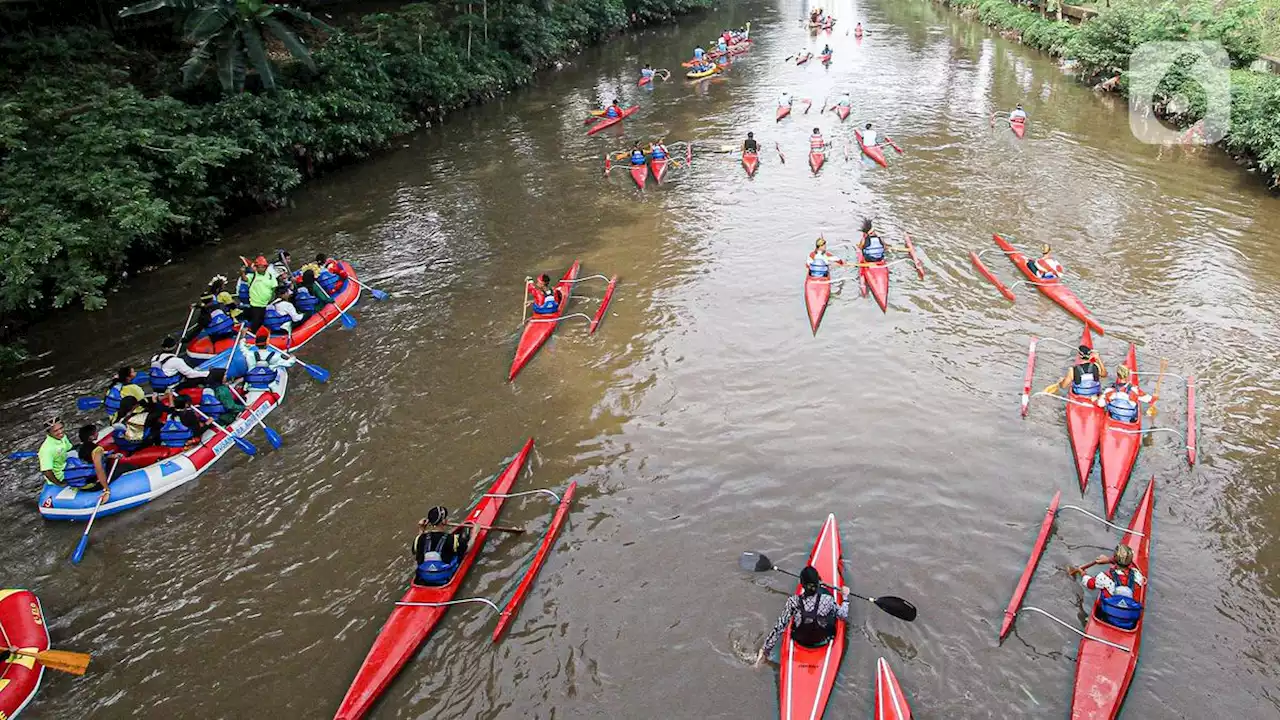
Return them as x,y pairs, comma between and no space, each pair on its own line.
895,606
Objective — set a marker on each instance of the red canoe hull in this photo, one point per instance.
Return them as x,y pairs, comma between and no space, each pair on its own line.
605,122
817,292
1056,290
1103,673
659,168
872,151
842,111
804,59
1019,127
891,704
639,173
783,111
808,674
538,328
1118,447
750,161
816,159
1084,426
24,627
408,627
825,59
877,279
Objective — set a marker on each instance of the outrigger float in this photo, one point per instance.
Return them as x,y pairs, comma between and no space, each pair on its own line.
422,607
1092,432
1054,288
538,329
1108,655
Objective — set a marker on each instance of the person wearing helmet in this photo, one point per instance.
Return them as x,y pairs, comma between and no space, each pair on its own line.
750,145
812,614
1119,605
1045,267
262,290
1084,377
437,551
1122,399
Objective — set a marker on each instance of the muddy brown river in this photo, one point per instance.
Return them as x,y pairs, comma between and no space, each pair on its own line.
703,418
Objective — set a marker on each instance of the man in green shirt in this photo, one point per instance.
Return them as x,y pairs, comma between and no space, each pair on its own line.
262,290
53,452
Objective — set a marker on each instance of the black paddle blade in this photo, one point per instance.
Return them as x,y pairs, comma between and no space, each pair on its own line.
754,562
897,607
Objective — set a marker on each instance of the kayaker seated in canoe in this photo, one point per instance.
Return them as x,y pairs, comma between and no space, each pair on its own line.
646,72
1045,267
437,551
820,261
637,154
812,614
869,136
170,372
750,145
1122,398
784,100
816,141
546,298
88,464
184,426
844,100
136,426
124,385
872,247
1085,375
1018,114
1116,583
658,151
826,50
264,361
857,29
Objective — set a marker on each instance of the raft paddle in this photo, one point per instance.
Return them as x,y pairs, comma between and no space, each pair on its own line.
65,661
23,454
273,437
895,606
249,448
83,545
187,325
375,292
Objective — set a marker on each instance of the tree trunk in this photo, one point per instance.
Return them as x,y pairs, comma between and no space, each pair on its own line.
469,29
486,20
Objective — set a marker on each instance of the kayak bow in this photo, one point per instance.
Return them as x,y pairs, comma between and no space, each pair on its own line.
408,626
817,292
816,159
783,111
807,675
750,161
891,704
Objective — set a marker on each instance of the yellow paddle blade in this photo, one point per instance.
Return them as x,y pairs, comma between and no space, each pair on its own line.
66,661
1052,389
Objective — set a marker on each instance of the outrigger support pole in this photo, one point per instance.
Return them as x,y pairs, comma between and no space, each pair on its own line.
1104,521
1068,626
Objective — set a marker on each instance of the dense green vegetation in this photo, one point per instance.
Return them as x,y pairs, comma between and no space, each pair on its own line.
1101,48
122,143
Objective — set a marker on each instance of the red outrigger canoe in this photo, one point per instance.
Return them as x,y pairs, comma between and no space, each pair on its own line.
807,675
872,151
783,111
891,704
817,292
602,122
557,520
1104,673
659,168
750,161
1019,127
816,159
803,58
344,298
409,626
539,327
1084,425
1055,289
639,173
1118,447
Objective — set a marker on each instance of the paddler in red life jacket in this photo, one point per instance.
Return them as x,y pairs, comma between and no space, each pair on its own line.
820,261
812,614
438,552
1122,398
857,30
816,141
1085,375
871,246
1045,267
546,298
1118,607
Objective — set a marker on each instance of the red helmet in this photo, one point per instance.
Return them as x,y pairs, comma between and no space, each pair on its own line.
263,335
260,260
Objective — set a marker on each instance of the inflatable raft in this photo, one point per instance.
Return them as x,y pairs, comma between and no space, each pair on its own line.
22,623
344,298
159,470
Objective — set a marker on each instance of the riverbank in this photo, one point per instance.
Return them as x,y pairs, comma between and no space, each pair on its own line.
1098,49
109,165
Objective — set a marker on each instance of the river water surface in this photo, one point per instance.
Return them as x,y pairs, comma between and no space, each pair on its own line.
703,418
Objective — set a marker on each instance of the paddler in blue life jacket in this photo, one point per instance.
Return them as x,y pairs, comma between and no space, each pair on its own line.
721,44
213,320
698,52
820,261
87,466
123,386
812,614
438,552
184,426
826,50
657,151
1122,398
546,298
871,246
647,71
1085,376
637,154
218,400
614,110
263,361
1119,607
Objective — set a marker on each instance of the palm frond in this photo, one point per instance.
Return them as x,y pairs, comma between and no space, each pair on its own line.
153,5
291,41
258,53
205,22
230,59
304,17
196,65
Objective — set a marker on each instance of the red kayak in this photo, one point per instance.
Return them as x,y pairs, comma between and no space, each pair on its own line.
783,111
1104,673
1119,446
1019,591
1019,127
639,173
539,327
876,276
891,704
803,58
659,167
825,58
816,159
409,626
872,151
1054,288
808,674
509,612
1084,425
842,111
344,298
817,292
750,161
604,122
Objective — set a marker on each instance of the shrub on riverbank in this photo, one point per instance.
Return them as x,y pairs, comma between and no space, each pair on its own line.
1101,48
107,162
